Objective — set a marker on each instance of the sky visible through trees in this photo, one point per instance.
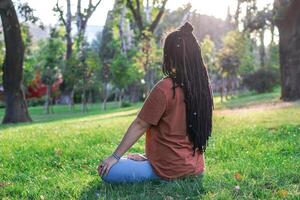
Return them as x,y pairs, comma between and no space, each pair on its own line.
44,8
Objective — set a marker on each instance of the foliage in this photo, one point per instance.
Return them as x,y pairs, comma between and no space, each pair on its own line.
49,57
209,54
94,67
126,104
273,59
248,60
29,60
263,80
27,13
230,55
124,71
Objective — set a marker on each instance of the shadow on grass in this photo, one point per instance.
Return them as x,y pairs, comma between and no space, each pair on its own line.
188,188
44,118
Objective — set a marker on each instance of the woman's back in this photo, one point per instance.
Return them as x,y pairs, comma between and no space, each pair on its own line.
168,147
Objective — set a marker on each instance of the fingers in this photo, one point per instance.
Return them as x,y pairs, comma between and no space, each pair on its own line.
105,166
103,170
107,170
100,167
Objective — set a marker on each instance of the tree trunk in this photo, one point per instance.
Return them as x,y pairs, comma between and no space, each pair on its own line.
72,104
134,92
48,100
289,48
222,89
262,51
237,14
69,31
105,97
84,101
122,25
16,106
147,50
121,93
90,98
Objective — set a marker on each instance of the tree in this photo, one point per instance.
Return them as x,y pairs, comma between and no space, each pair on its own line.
29,61
106,54
209,53
82,16
49,61
16,107
259,22
146,23
124,72
287,18
66,20
230,60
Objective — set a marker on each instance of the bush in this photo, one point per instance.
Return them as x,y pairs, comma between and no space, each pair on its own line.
125,104
263,80
36,102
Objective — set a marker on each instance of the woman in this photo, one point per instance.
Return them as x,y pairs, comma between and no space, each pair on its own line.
176,116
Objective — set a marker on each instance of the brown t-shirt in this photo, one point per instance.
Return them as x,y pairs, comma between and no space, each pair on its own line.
167,144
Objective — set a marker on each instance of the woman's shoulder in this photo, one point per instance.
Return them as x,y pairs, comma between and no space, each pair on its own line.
165,84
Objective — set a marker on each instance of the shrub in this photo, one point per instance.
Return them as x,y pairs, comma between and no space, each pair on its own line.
125,104
263,80
36,102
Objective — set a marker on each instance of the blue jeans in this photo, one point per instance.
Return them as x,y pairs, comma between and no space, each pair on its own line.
130,171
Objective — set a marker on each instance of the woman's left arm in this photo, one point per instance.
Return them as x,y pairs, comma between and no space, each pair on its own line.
137,128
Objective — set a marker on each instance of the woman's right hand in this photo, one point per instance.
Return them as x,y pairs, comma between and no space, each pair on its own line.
105,165
136,157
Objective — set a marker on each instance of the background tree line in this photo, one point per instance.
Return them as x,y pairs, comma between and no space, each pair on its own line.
123,62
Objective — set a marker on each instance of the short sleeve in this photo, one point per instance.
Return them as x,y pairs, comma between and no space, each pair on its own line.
154,107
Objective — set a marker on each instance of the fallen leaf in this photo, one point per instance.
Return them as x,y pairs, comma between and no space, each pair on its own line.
58,151
4,184
84,166
238,176
283,193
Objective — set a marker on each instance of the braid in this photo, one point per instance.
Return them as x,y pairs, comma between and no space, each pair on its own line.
182,52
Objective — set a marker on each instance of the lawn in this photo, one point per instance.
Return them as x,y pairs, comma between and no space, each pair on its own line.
254,153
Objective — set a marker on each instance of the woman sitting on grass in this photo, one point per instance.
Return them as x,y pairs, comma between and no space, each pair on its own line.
176,116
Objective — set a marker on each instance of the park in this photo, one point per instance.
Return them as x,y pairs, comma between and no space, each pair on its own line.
76,74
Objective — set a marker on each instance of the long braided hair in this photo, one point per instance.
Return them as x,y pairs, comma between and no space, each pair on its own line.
184,65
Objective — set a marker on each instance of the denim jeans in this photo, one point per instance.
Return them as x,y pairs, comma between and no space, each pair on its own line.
130,171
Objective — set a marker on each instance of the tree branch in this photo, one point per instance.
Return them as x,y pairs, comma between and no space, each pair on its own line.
136,14
158,17
61,13
89,11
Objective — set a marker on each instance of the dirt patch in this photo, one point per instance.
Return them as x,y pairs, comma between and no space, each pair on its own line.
257,107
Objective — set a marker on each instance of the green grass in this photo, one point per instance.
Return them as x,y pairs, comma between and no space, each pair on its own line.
257,149
247,99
